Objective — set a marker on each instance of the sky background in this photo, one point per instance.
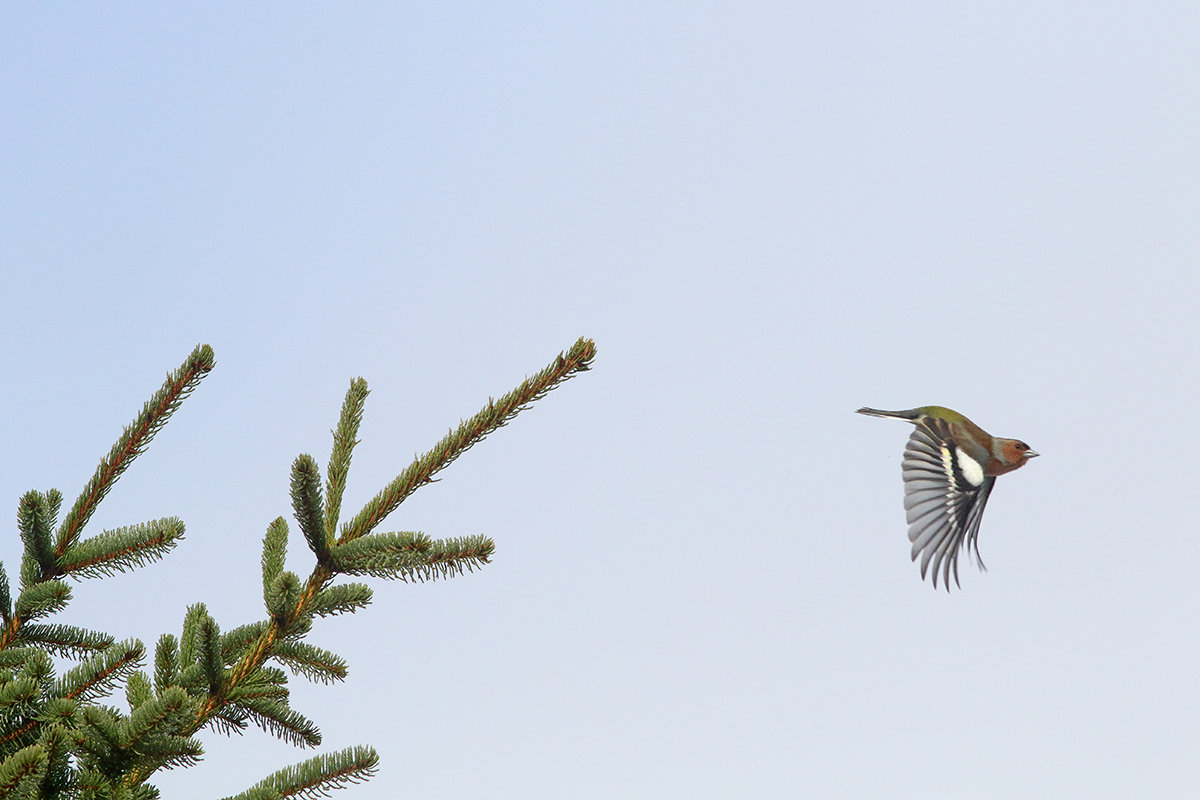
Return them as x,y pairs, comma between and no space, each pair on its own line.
766,215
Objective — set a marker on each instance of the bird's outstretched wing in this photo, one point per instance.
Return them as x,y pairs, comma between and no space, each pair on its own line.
945,492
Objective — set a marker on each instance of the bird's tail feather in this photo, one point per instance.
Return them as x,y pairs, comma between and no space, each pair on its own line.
910,414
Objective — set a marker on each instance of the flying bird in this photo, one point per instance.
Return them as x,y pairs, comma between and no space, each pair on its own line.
950,465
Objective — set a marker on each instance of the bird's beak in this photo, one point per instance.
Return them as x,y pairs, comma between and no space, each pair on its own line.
1031,453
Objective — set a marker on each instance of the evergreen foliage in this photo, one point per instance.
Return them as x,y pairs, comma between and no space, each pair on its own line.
58,741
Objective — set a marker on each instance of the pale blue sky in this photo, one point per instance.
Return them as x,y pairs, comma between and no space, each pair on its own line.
766,215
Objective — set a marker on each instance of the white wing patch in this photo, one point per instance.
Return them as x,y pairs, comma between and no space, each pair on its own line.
971,469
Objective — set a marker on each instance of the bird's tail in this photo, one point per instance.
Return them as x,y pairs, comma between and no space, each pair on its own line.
911,414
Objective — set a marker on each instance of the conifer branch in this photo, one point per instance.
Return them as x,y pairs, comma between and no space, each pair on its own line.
57,709
21,772
281,721
157,714
451,556
283,595
36,514
249,663
122,549
106,733
344,598
192,678
192,620
312,662
37,667
18,692
15,657
19,712
268,685
10,734
5,596
138,690
343,447
63,640
153,729
57,741
133,441
42,599
31,571
168,752
318,776
166,663
307,505
96,677
495,415
257,793
230,719
251,690
235,643
410,556
208,646
274,553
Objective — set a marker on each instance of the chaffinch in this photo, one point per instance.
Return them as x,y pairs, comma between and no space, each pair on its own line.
950,465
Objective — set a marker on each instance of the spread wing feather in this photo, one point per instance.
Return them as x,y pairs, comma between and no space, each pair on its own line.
943,507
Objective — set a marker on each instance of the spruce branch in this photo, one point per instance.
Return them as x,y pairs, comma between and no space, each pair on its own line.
271,685
208,646
15,731
21,772
42,599
5,596
21,700
249,690
169,752
235,643
57,709
318,776
192,679
282,596
284,723
96,677
36,515
159,715
57,741
274,552
153,729
31,571
122,549
192,620
409,556
166,664
343,447
312,662
16,656
308,506
344,598
103,738
133,441
229,720
18,692
37,667
166,752
63,640
138,690
495,415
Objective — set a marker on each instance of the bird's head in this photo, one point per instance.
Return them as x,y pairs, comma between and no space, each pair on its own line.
1014,453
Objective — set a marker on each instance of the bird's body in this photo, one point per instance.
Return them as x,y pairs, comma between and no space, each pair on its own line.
950,465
